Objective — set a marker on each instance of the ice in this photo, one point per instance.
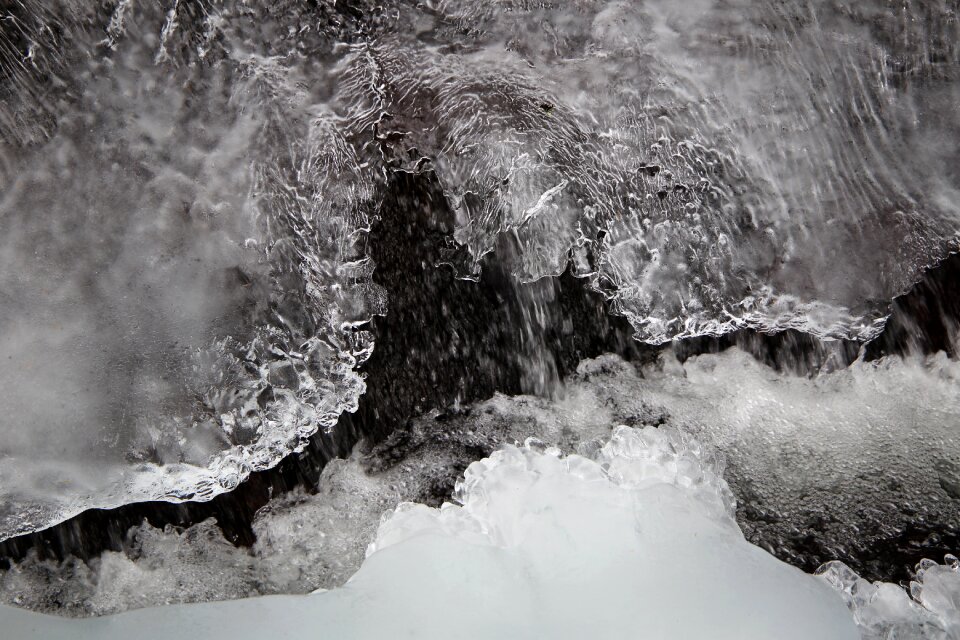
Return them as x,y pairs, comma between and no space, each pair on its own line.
637,538
185,192
304,542
834,467
180,271
826,467
885,612
708,166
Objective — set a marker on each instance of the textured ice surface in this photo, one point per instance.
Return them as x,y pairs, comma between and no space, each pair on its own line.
637,537
180,273
706,164
824,467
884,611
185,189
305,542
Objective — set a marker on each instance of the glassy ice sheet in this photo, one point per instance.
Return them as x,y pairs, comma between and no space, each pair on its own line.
181,272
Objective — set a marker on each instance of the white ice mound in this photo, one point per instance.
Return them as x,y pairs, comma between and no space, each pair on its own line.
637,540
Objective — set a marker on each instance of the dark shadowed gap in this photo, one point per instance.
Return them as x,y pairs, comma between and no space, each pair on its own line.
925,319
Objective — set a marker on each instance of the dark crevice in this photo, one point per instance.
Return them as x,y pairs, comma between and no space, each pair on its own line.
787,351
925,319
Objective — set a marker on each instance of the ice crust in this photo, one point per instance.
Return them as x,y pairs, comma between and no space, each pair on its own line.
639,536
707,165
884,611
306,542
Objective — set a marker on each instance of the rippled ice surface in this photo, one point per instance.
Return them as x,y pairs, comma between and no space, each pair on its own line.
706,164
185,192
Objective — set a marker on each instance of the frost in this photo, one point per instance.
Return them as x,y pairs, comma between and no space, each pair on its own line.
637,537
